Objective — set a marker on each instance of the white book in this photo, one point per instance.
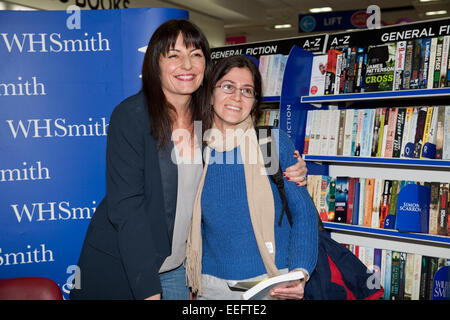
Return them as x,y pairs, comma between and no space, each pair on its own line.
314,142
446,144
283,61
432,61
274,75
377,194
318,73
333,134
262,289
324,132
400,54
347,148
433,126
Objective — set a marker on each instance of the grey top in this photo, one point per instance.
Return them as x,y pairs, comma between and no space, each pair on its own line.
189,174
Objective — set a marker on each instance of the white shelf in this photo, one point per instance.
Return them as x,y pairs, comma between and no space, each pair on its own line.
424,244
434,163
379,95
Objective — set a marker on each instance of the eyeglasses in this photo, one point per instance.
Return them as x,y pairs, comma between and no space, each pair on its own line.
229,88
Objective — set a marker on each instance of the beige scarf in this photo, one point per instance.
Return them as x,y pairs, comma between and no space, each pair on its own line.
259,196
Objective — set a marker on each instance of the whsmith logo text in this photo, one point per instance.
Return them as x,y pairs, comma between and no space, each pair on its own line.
52,42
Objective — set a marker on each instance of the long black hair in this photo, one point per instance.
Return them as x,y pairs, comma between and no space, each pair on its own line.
161,112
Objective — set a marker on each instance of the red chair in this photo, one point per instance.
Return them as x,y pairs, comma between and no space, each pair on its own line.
29,288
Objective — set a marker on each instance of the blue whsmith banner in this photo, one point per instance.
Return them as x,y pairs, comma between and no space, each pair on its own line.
60,77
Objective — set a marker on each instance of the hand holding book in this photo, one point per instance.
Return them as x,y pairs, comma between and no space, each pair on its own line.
289,290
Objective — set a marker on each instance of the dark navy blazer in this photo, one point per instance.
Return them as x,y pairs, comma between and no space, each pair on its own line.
131,231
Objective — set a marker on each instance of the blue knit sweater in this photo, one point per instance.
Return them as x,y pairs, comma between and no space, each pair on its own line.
229,245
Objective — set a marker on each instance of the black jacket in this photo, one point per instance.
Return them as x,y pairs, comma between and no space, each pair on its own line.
131,231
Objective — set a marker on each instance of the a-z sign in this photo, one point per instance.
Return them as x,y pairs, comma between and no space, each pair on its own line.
336,20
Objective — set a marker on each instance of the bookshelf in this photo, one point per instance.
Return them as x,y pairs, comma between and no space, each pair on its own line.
415,169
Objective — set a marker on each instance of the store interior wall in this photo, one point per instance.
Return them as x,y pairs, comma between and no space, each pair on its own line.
213,28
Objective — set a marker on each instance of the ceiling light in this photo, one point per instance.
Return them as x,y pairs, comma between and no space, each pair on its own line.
283,26
427,0
433,13
323,9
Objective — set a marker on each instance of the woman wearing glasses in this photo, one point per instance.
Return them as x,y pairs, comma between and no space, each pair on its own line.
237,233
135,246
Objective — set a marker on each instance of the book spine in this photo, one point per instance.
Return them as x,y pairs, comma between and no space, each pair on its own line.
408,63
433,47
442,227
399,65
368,199
415,64
399,133
440,131
434,208
341,199
438,62
381,133
406,130
309,116
376,132
333,124
423,76
348,127
387,186
324,131
426,129
418,142
362,193
446,140
390,134
377,193
340,140
444,62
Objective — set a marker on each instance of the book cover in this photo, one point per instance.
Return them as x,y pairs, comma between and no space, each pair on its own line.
387,186
408,63
388,275
377,194
380,67
399,127
351,72
413,208
438,62
324,131
395,275
362,193
330,76
446,142
426,129
262,289
418,139
440,131
406,130
425,63
368,201
309,116
351,197
417,269
341,199
429,146
318,73
359,130
354,131
442,225
331,199
444,62
376,132
390,133
381,132
361,62
340,143
415,64
348,127
434,208
333,133
385,132
356,194
409,276
433,48
323,206
399,65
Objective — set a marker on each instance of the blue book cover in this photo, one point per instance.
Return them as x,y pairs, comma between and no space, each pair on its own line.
413,205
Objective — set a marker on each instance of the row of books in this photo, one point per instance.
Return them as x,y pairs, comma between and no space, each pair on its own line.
272,68
369,201
402,132
404,276
402,65
269,117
